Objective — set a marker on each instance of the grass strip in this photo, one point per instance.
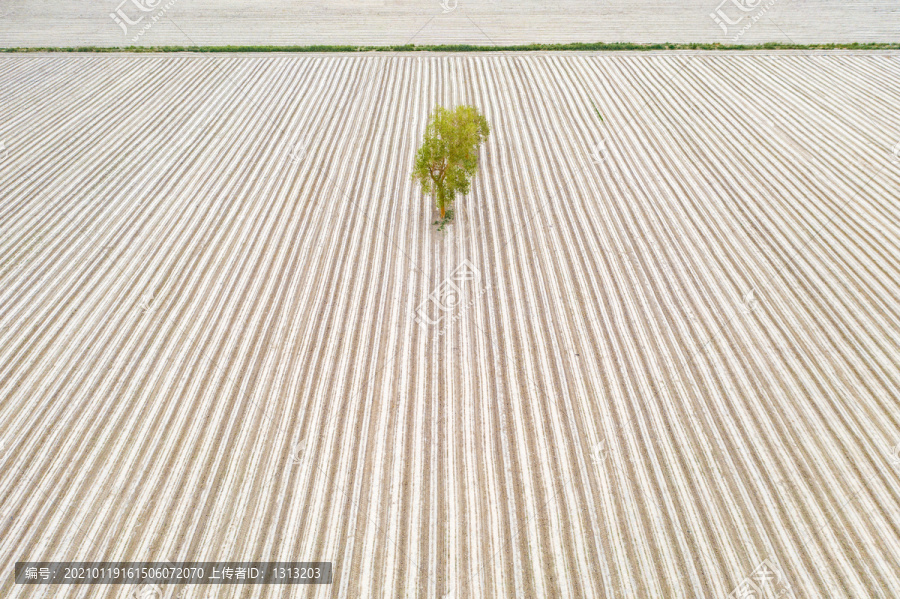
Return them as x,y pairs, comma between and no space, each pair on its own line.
596,46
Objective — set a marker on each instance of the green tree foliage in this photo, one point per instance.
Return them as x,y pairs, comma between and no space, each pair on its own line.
448,157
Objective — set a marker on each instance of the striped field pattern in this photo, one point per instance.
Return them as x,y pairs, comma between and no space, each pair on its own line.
54,23
651,354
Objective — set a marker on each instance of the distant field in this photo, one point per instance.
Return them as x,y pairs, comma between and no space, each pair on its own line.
653,351
54,23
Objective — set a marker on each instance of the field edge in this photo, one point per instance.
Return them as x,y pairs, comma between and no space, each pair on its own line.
594,46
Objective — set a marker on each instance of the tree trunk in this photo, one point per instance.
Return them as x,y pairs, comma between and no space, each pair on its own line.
442,212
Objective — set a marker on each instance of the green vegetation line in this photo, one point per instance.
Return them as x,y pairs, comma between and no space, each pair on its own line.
471,48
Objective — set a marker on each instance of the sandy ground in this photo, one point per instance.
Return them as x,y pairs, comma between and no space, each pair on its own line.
493,22
654,354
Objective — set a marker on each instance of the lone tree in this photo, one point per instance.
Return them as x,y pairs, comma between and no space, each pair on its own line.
448,157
